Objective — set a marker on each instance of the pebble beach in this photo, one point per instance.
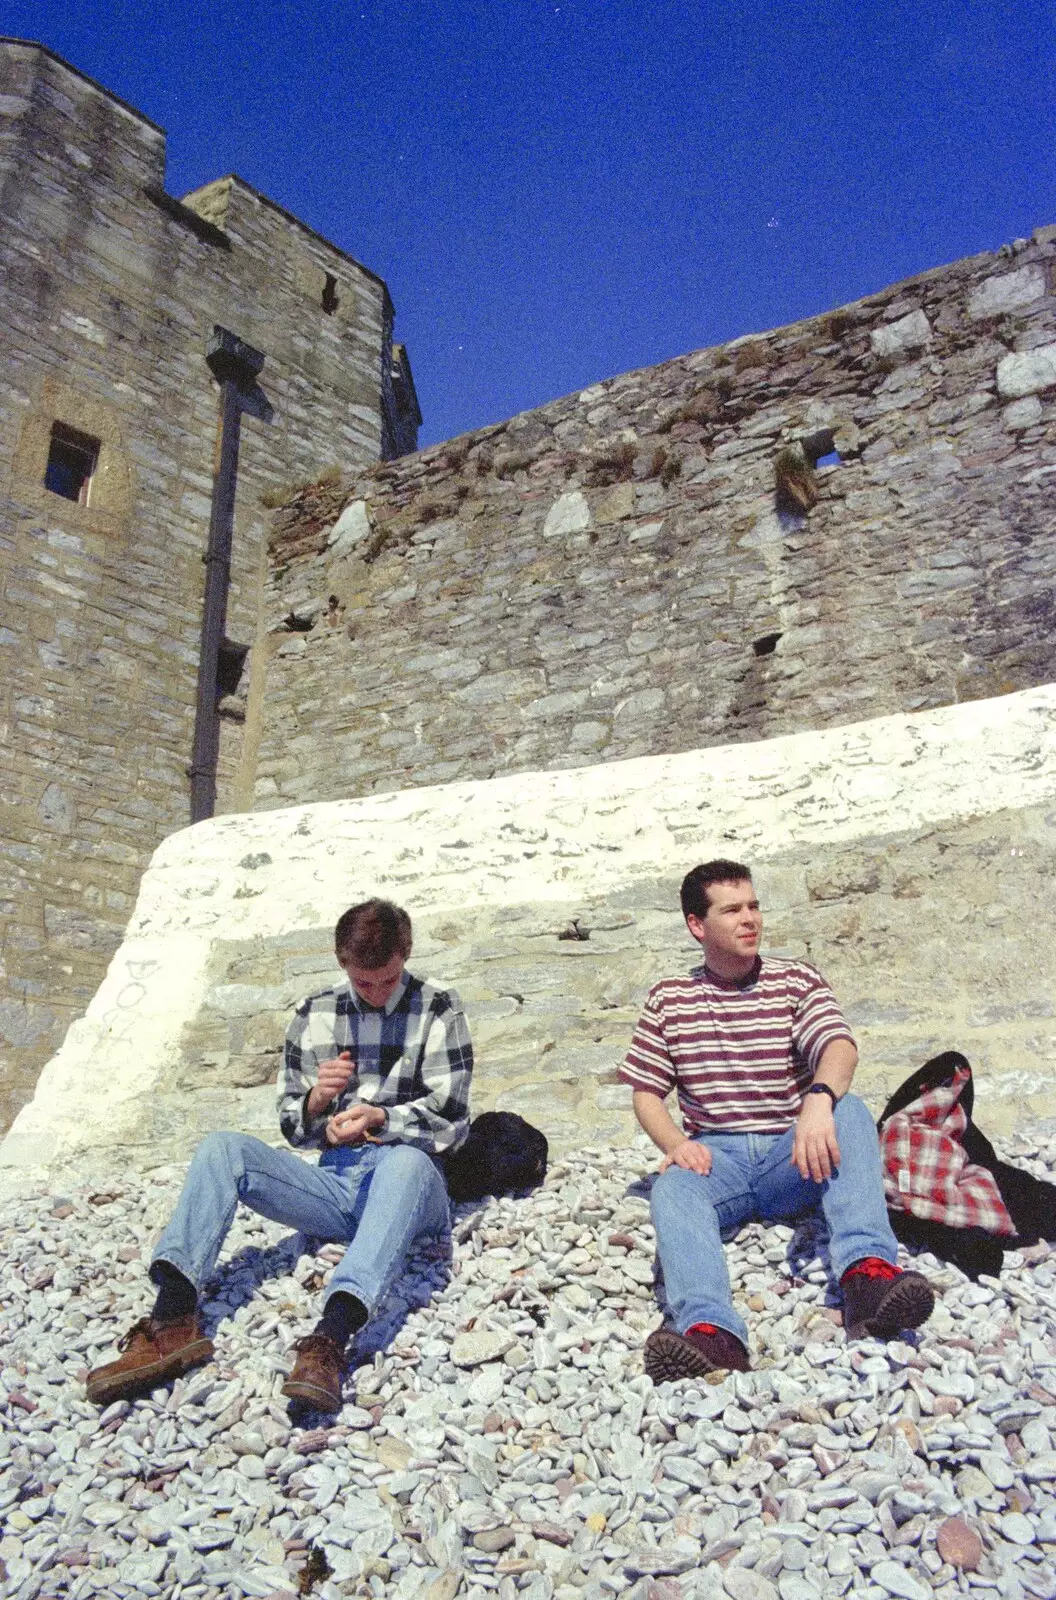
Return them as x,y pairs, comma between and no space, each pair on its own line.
500,1437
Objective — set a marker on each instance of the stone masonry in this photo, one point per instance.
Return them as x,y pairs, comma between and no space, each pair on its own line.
550,901
843,518
109,289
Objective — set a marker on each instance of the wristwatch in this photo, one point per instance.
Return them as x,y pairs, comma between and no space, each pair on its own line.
823,1088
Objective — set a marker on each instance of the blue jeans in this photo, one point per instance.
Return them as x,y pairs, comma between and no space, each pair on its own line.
752,1177
382,1197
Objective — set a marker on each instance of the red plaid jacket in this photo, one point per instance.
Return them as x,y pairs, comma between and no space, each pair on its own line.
926,1171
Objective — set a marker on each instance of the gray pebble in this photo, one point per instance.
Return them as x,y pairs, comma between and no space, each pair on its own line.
1017,1528
898,1580
830,1435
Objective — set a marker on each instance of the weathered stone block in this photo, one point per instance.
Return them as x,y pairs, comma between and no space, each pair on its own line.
908,333
350,529
557,705
496,688
252,1071
1025,413
1027,372
1008,292
57,808
615,504
569,513
646,703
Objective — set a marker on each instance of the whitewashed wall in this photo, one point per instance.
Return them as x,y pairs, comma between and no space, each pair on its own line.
529,839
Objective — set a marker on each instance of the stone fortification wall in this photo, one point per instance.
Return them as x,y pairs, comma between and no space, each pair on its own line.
109,289
550,901
631,570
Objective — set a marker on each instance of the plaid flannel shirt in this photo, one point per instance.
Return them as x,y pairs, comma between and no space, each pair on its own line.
926,1171
412,1056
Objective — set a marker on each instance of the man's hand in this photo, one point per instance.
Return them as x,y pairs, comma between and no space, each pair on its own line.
689,1154
815,1151
333,1080
353,1125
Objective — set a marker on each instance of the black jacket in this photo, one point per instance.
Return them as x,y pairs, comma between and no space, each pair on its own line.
1030,1201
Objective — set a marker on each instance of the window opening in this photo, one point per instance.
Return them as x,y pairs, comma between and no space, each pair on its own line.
766,645
820,449
330,301
229,663
72,460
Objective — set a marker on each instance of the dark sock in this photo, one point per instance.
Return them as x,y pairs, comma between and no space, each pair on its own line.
343,1315
177,1296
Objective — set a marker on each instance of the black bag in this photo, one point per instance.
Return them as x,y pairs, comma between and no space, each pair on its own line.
502,1154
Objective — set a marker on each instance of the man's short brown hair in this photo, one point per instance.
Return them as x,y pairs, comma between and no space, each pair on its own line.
370,934
695,884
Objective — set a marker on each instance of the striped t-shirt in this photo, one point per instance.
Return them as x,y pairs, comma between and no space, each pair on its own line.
741,1055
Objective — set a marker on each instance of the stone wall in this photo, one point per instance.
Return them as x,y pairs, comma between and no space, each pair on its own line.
655,564
551,901
109,289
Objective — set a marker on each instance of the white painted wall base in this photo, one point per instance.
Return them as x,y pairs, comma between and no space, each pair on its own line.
533,837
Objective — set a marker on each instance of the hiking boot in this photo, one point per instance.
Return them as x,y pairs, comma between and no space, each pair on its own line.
152,1352
880,1300
316,1376
701,1349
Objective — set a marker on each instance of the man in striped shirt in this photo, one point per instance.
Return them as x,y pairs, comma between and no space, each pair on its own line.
376,1075
761,1060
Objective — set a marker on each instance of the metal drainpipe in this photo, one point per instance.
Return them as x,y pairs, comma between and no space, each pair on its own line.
237,366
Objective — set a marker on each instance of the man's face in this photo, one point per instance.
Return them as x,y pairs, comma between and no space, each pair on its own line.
733,925
374,984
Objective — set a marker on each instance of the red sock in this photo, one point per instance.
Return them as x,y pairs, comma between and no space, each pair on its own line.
702,1327
871,1267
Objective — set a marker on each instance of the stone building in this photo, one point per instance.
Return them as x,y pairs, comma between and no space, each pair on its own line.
844,518
111,294
848,518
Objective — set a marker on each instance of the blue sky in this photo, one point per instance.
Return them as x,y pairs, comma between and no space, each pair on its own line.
558,192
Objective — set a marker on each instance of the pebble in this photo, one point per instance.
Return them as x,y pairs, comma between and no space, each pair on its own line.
898,1580
793,1586
997,1468
742,1583
959,1544
794,1555
500,1437
552,1532
1017,1528
473,1349
445,1587
494,1539
660,1561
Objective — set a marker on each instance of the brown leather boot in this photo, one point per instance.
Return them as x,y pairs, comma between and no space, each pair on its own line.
879,1300
701,1349
152,1352
316,1376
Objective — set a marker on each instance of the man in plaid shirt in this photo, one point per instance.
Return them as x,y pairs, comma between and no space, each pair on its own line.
376,1074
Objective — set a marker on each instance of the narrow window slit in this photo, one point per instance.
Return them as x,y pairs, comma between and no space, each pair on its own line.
229,663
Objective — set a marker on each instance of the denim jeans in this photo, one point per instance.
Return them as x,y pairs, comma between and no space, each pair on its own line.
381,1197
752,1177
